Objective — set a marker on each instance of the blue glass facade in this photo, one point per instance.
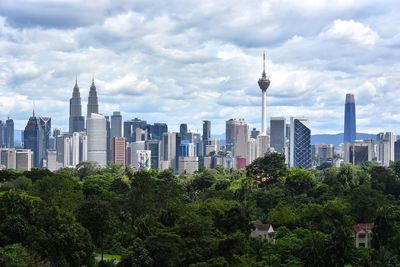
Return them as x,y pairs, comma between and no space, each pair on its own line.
397,150
130,128
301,145
157,130
349,120
186,146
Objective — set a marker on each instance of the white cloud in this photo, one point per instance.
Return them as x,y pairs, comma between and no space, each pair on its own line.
177,62
351,31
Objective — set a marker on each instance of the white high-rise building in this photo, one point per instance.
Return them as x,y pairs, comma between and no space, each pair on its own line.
262,143
75,144
97,139
252,150
83,147
237,136
169,148
136,146
52,160
8,158
67,151
24,159
385,147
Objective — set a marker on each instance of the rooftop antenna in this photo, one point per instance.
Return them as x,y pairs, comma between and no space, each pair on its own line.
263,73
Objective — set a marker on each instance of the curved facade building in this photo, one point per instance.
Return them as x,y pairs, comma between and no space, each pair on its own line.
97,139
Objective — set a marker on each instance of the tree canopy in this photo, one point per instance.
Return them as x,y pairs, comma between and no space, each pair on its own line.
156,218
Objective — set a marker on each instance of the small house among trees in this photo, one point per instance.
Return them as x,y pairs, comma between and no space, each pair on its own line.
362,233
263,230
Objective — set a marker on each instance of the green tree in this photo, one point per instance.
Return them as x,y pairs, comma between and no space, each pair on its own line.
96,216
365,202
136,256
142,194
98,185
59,190
300,181
164,248
386,232
267,169
284,214
16,255
385,179
61,239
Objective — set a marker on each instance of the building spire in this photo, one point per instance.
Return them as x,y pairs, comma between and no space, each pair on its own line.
92,78
263,73
33,109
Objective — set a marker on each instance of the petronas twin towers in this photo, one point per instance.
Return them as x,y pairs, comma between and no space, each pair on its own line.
76,120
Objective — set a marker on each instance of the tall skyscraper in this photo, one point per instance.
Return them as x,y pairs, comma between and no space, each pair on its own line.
75,149
229,134
36,138
155,147
254,133
170,149
206,135
135,147
277,126
116,124
130,128
93,105
157,130
264,83
9,134
118,150
45,123
183,130
108,130
76,120
237,137
52,160
349,119
206,130
386,147
397,150
97,139
300,143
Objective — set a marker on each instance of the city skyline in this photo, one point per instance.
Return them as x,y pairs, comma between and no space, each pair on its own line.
189,72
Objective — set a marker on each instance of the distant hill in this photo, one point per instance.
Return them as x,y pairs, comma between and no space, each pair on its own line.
336,139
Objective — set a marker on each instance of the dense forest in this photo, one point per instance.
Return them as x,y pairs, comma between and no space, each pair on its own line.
149,218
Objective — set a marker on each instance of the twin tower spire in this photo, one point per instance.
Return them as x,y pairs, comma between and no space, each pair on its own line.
76,120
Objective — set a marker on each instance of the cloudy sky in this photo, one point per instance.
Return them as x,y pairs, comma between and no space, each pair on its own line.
184,61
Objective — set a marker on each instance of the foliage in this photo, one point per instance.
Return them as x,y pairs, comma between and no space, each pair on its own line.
153,218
